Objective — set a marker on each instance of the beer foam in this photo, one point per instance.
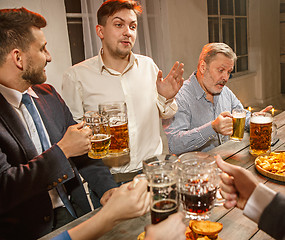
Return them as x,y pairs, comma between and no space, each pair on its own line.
239,115
261,119
100,137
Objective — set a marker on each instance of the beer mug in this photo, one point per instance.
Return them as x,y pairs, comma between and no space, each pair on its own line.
101,137
162,177
150,163
260,133
238,124
116,112
198,184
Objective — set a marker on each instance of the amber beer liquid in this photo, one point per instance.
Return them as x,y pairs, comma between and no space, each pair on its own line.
99,146
119,138
238,124
260,134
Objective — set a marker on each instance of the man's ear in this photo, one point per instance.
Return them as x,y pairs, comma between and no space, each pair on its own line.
100,31
17,58
202,66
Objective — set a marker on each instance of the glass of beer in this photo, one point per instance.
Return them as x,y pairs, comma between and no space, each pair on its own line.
260,133
116,113
162,179
238,124
198,184
101,137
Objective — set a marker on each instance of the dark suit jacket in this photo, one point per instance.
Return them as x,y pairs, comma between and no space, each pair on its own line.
25,178
272,220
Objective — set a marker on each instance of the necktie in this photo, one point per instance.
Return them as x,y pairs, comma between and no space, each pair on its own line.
26,99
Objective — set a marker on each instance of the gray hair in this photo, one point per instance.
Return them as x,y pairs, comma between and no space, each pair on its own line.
210,51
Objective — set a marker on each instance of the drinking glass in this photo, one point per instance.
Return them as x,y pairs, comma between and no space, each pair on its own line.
260,133
116,113
198,184
238,124
101,137
162,177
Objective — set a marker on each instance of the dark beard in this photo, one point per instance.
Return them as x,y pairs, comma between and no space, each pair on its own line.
34,76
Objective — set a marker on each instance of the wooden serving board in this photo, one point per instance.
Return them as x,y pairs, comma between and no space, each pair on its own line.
269,174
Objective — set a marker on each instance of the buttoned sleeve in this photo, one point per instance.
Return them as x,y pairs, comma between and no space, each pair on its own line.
72,94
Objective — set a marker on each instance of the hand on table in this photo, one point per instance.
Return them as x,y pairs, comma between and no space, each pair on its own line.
237,184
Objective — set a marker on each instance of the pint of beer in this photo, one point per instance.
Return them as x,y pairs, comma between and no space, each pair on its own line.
260,133
101,137
116,113
238,124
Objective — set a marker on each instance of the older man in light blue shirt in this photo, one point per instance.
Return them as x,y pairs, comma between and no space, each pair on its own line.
203,120
191,127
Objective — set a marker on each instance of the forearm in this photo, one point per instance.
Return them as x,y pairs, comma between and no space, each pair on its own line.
32,178
167,108
94,227
180,141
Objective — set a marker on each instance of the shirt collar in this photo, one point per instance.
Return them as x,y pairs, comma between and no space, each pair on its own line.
198,89
200,92
14,97
102,67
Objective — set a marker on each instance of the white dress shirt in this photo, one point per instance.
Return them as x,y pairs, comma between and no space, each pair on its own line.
14,97
90,82
258,201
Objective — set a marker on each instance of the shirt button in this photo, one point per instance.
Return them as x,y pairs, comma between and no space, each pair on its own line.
46,218
59,180
54,184
64,177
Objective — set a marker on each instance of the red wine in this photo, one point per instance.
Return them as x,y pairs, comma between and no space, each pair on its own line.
161,209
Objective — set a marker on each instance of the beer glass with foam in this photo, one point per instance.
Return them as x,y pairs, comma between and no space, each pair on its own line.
116,112
101,137
260,133
238,124
198,184
162,177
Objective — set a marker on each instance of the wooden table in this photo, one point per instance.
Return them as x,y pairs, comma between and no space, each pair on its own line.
236,225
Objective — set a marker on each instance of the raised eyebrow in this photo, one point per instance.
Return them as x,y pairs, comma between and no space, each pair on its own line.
115,18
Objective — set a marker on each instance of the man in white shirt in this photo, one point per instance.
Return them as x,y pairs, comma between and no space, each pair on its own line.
258,202
117,74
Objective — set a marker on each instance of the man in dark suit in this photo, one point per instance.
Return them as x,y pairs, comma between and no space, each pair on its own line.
258,202
37,183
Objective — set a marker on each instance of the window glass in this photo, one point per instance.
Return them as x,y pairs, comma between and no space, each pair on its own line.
242,64
228,32
226,7
213,24
212,7
229,25
76,39
240,7
73,6
241,36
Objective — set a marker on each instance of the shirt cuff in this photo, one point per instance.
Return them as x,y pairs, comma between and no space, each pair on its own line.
258,201
168,107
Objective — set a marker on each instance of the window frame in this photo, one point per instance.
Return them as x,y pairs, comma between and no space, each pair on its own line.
233,17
